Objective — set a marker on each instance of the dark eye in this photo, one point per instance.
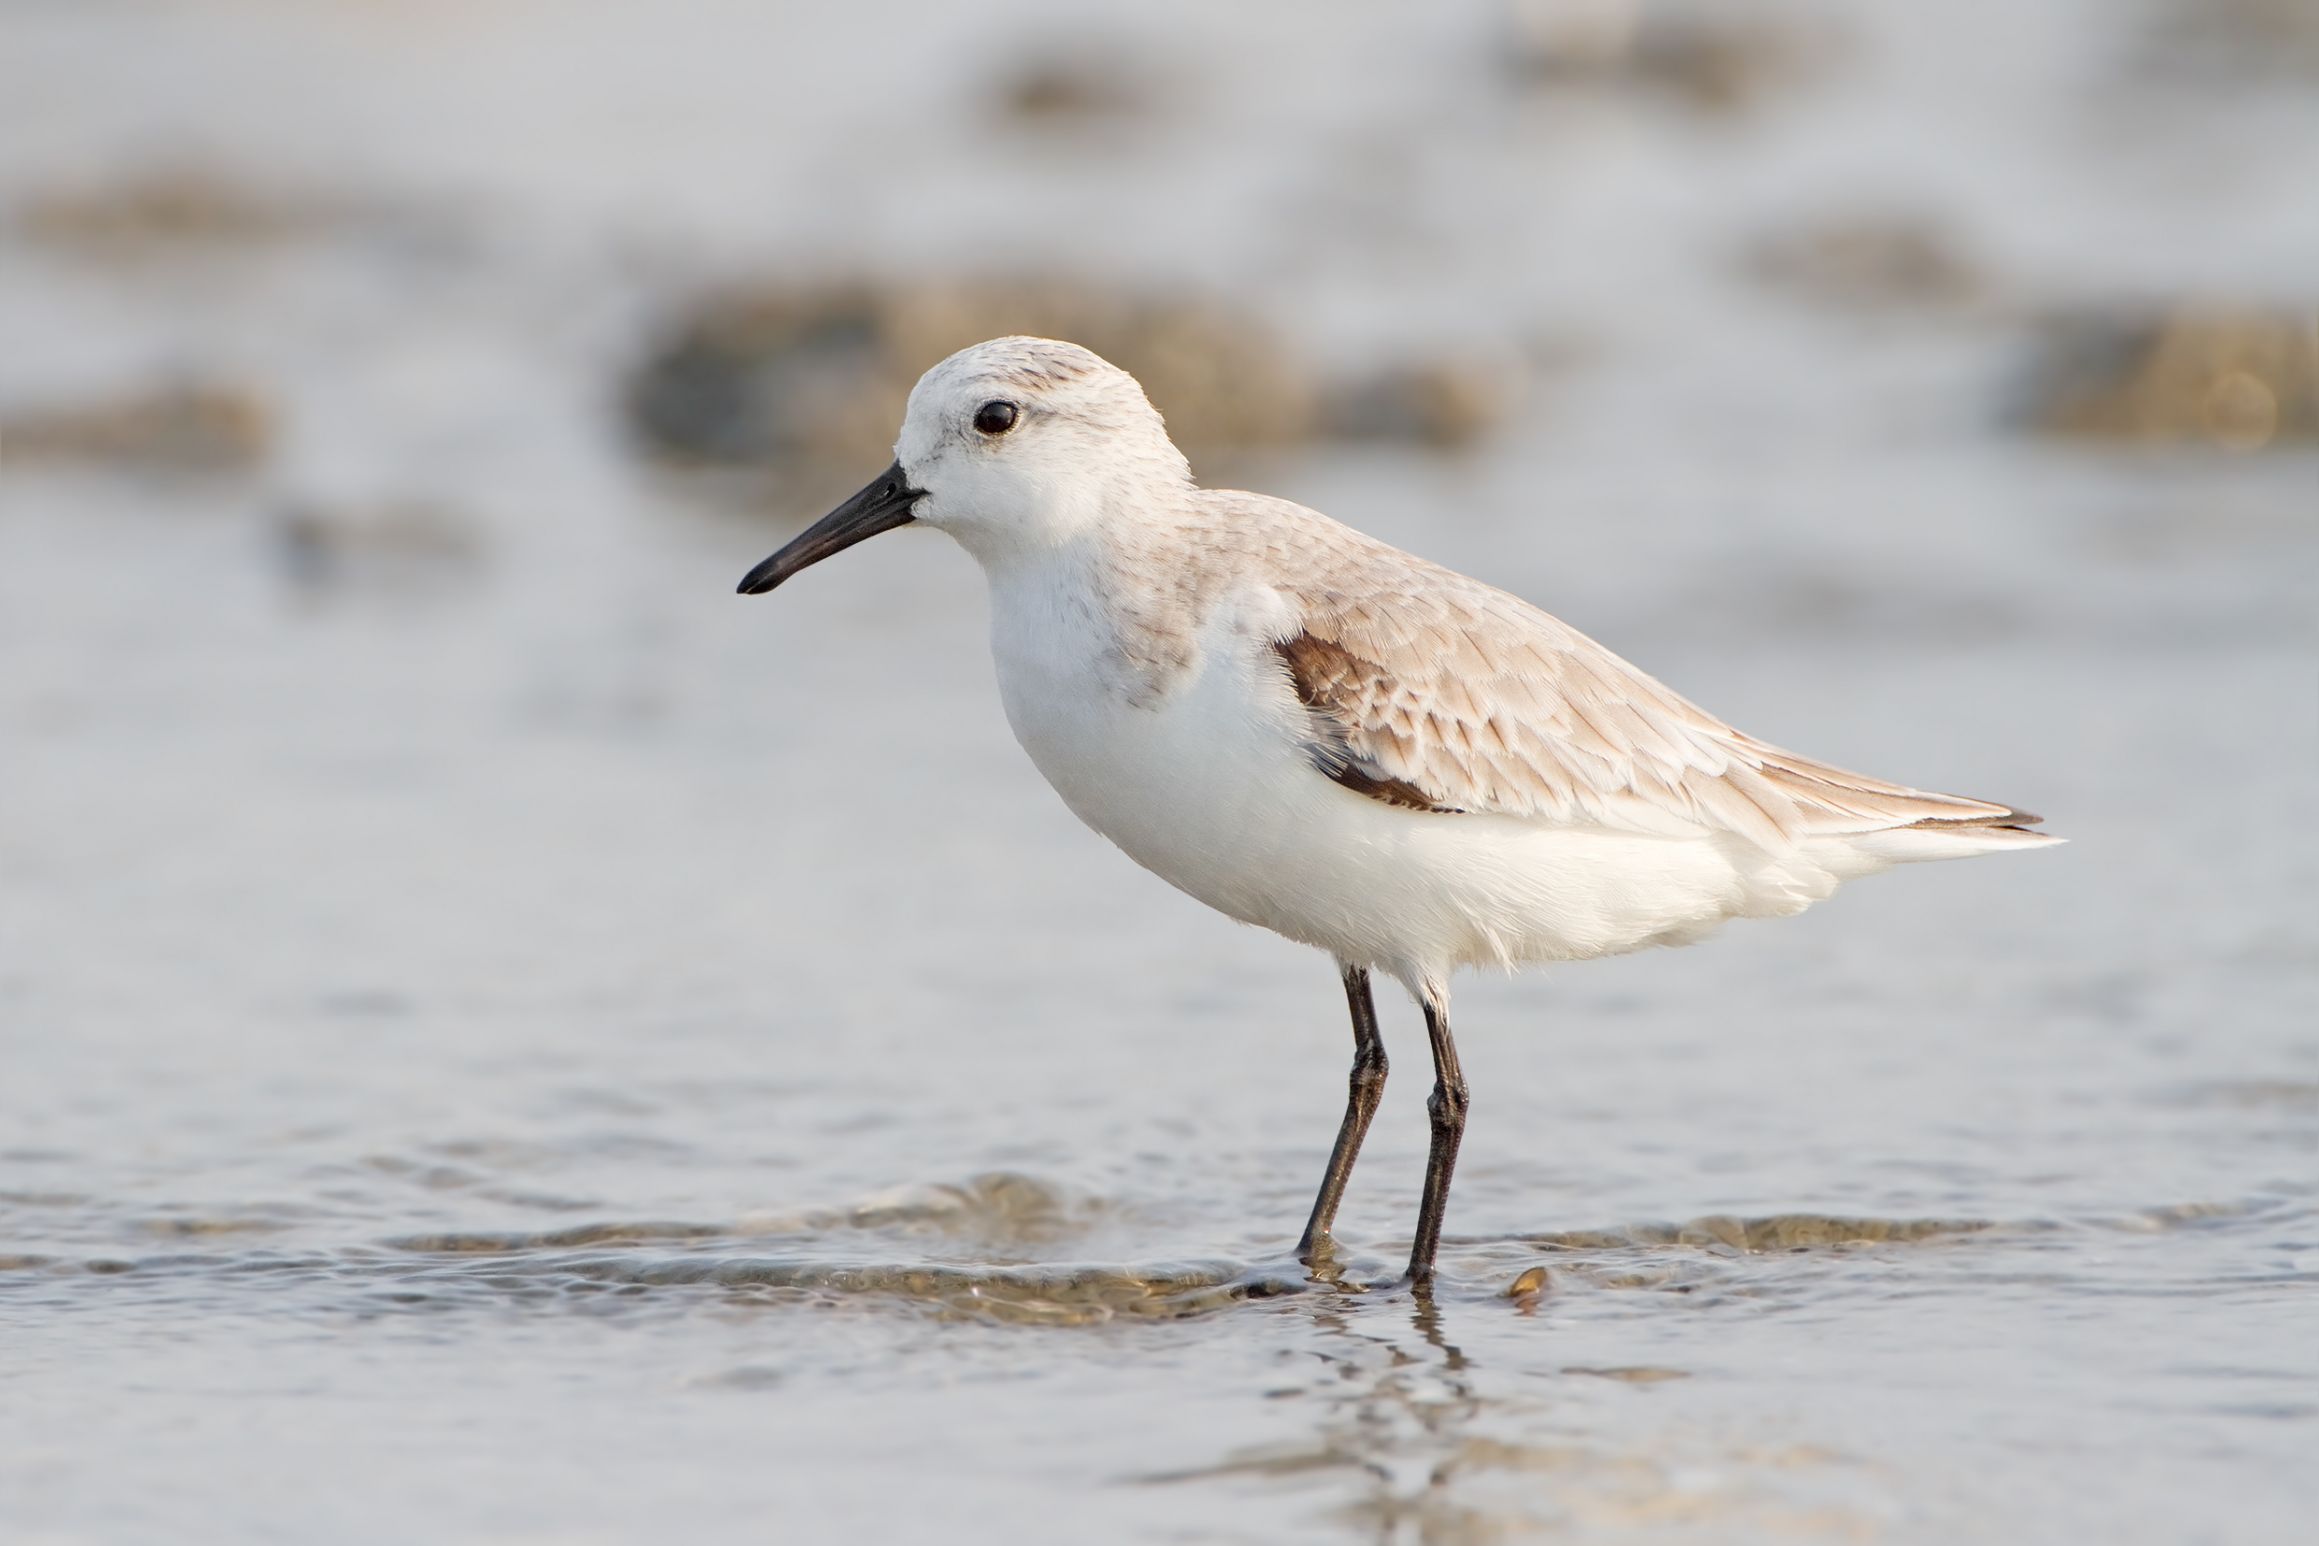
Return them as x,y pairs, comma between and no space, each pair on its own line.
995,418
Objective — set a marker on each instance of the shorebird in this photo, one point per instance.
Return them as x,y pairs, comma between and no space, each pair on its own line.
1317,733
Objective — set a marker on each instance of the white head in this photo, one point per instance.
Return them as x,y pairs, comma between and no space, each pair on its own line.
1014,445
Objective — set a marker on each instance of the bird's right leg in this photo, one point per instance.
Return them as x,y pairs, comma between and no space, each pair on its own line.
1368,1087
1447,1108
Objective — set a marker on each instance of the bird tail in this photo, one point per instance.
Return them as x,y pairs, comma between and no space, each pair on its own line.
1956,838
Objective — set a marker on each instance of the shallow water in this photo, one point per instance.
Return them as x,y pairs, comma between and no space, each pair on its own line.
501,1040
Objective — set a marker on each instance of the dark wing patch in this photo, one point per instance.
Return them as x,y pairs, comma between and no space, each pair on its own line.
2011,820
1317,668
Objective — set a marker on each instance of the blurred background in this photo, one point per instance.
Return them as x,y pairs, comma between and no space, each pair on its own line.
422,881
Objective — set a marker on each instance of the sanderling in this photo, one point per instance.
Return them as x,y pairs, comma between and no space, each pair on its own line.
1309,730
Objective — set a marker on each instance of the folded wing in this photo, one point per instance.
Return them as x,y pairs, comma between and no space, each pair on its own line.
1451,697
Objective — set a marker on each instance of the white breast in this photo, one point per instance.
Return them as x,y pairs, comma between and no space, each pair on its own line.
1182,779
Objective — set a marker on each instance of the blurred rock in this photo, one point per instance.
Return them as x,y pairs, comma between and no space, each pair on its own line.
778,376
2236,379
1706,58
197,426
1870,262
390,546
1071,90
1444,405
2232,40
167,208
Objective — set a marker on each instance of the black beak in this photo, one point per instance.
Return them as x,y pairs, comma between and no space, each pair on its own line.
884,505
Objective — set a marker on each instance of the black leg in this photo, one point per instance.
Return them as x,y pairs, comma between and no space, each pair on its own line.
1447,1108
1368,1087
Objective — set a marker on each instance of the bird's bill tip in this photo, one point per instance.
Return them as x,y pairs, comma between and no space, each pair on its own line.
764,577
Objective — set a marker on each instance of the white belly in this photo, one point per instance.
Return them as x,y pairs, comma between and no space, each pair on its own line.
1210,788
